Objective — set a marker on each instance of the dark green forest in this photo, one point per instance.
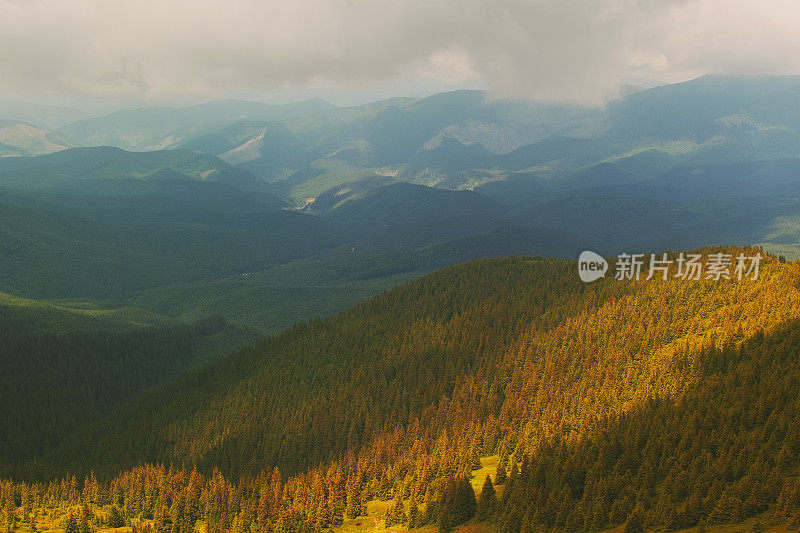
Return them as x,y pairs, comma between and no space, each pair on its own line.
55,383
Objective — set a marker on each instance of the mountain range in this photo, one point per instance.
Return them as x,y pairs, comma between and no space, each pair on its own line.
238,317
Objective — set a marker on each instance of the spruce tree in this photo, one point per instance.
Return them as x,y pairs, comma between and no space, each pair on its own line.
458,503
354,506
83,524
399,512
162,523
414,517
71,525
487,502
500,476
635,522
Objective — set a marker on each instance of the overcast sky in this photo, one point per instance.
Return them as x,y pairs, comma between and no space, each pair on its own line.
568,50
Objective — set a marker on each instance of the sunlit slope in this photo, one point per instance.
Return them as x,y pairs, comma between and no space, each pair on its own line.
555,355
24,139
667,402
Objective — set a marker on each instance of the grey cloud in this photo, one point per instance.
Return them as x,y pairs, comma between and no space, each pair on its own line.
576,50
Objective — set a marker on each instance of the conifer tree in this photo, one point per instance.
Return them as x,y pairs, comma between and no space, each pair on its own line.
457,504
500,476
354,505
635,522
398,513
72,524
487,501
414,516
162,523
83,524
116,519
9,514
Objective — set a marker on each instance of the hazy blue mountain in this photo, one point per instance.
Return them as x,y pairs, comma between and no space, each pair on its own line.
396,134
146,201
691,109
778,108
42,116
649,163
554,154
161,127
79,168
396,188
329,200
645,224
465,139
447,132
750,178
654,134
517,188
452,156
599,175
236,136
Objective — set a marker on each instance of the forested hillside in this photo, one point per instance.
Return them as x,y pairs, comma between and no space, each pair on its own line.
60,368
663,403
159,231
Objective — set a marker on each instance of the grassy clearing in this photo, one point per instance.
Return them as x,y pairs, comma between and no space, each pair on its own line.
376,509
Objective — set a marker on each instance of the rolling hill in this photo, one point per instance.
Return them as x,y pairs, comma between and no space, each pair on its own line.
418,133
406,356
379,256
694,108
68,246
665,403
464,139
75,168
403,203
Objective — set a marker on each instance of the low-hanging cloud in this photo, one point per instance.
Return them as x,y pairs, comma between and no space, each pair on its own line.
568,50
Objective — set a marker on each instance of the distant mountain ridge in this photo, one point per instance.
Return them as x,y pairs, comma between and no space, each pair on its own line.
162,127
465,139
40,115
77,165
23,139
